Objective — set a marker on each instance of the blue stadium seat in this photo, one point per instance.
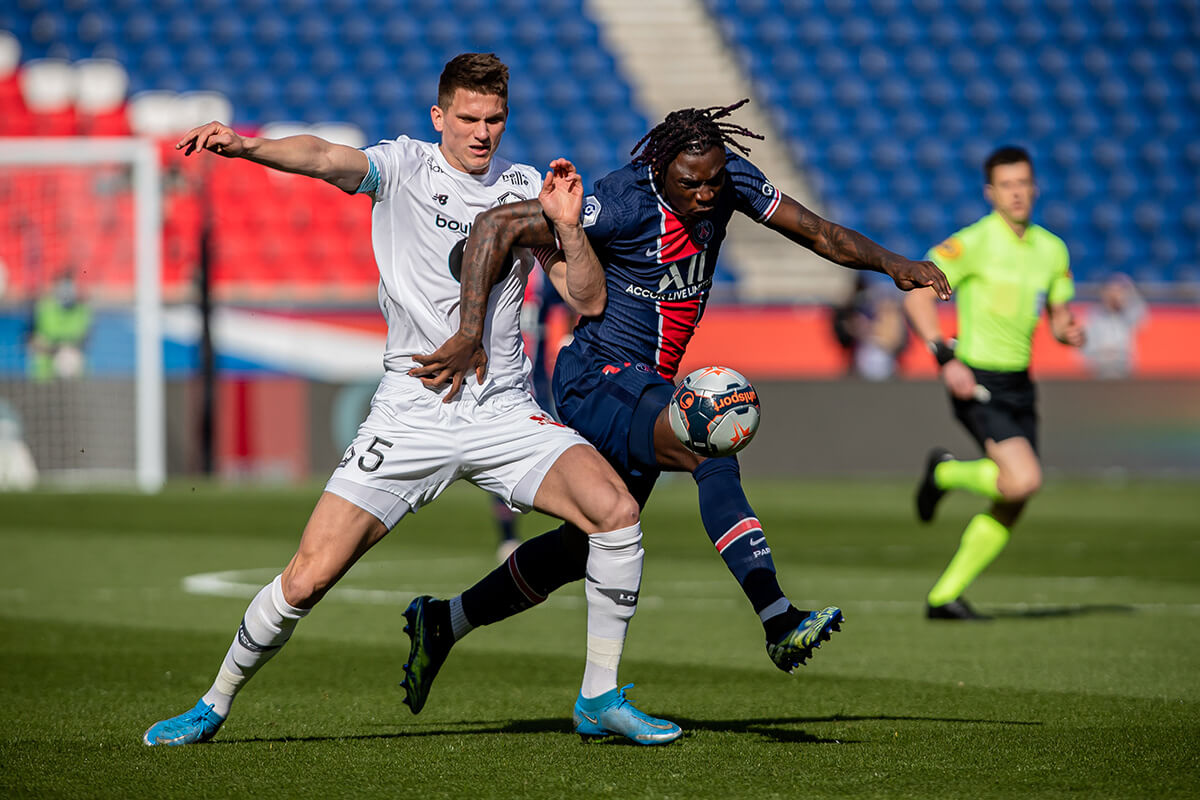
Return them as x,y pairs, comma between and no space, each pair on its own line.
851,92
895,93
982,93
1106,94
311,30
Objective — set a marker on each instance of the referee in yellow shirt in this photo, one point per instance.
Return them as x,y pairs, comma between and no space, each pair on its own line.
1004,270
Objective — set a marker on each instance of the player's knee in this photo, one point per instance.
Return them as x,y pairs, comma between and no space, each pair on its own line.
302,587
613,508
1019,488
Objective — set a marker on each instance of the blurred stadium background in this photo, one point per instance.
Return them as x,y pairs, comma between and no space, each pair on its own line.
878,113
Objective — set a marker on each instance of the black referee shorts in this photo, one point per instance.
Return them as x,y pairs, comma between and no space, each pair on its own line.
1011,410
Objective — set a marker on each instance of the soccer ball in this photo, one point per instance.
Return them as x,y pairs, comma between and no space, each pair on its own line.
714,411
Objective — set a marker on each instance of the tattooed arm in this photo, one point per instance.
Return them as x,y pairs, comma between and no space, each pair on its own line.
851,249
579,277
493,235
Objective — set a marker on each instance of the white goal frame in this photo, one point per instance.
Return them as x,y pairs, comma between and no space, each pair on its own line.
142,156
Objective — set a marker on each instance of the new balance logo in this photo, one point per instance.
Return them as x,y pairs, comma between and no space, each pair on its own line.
441,199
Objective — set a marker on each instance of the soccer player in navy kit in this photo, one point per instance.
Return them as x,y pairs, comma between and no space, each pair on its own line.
656,225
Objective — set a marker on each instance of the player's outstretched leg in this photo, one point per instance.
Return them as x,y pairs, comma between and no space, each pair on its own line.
738,536
199,724
929,494
796,646
538,567
431,638
612,714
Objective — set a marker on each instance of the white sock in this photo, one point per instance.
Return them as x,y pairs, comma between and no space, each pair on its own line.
266,625
459,624
614,576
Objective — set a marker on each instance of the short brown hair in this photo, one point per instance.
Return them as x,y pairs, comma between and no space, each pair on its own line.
1009,154
476,72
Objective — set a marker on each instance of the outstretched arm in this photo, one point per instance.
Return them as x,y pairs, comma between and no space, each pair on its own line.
851,249
344,167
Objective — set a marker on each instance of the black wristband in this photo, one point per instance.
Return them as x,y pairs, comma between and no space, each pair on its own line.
942,352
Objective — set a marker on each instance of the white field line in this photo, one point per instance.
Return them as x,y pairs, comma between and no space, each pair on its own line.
245,583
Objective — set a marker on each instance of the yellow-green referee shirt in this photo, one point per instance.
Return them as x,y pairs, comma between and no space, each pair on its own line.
1001,284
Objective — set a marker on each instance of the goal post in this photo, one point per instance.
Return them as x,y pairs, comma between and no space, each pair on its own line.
90,208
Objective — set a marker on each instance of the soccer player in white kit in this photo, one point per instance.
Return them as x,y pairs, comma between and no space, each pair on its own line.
414,444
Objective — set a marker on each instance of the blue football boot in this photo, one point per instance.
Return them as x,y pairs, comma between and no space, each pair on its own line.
612,714
796,646
191,727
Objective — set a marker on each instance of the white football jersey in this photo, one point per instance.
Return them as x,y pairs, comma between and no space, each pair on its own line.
422,213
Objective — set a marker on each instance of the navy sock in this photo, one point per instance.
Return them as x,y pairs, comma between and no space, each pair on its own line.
534,570
738,535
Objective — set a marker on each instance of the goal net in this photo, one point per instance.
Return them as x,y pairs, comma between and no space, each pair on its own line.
81,359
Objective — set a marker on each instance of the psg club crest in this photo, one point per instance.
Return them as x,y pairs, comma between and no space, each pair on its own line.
703,232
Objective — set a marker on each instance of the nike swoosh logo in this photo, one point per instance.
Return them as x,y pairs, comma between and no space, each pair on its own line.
757,541
592,720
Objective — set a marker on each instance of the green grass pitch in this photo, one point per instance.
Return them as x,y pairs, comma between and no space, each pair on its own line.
117,610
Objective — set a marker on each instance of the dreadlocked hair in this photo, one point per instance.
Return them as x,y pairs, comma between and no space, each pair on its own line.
693,130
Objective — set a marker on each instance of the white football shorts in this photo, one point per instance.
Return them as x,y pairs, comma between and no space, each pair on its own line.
412,446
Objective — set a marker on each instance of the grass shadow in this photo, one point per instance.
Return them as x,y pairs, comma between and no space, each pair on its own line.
778,729
1044,612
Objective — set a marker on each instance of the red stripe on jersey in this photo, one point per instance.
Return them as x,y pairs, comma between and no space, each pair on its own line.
738,531
674,241
676,324
774,205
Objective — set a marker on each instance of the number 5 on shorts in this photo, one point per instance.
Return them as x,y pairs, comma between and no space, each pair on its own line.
362,460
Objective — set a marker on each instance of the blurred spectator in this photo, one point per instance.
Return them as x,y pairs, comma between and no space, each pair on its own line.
17,470
1111,327
871,329
61,323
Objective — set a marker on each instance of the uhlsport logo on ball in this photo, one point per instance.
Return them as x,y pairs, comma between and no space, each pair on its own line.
714,411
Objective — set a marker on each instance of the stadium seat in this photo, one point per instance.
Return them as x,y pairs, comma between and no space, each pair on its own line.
48,87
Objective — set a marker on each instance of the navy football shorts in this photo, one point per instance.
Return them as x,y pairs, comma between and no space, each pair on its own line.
1011,410
614,406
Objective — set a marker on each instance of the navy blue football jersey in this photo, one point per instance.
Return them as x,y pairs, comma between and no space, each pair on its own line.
659,271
